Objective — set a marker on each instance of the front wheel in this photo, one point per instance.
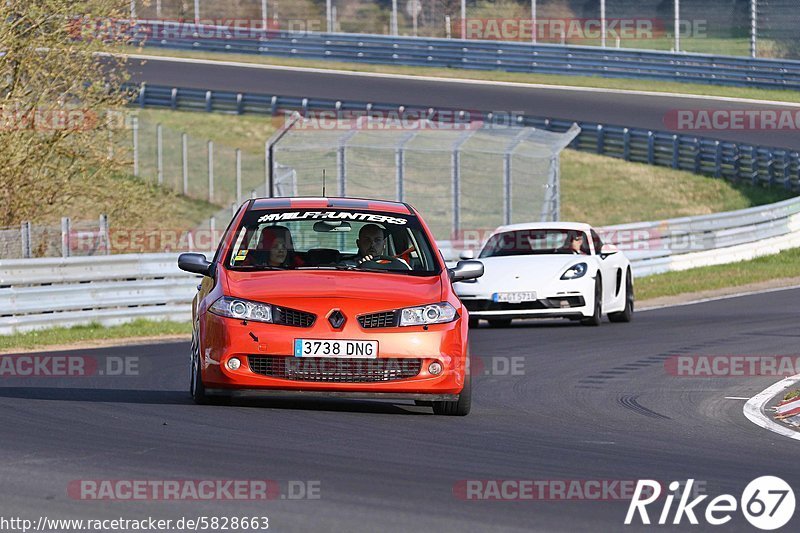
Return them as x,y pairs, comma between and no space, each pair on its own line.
196,387
458,407
594,320
626,315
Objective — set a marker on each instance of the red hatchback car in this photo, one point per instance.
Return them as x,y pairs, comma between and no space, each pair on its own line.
334,297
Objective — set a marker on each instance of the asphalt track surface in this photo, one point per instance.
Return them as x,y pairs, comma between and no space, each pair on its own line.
642,111
589,403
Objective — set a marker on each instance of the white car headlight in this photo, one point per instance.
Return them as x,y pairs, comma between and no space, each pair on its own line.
427,314
242,309
575,271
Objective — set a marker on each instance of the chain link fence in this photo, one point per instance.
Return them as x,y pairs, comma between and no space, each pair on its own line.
706,26
71,238
465,176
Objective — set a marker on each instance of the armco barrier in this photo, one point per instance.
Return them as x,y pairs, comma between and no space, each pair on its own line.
481,55
702,155
40,293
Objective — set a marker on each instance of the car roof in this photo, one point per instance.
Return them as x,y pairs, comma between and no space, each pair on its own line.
570,226
363,204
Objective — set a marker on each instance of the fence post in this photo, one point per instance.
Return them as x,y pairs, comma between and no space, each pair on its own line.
651,148
626,144
238,176
211,172
65,230
104,234
455,177
160,154
135,126
507,188
25,238
185,162
399,165
267,170
717,159
600,139
676,148
341,169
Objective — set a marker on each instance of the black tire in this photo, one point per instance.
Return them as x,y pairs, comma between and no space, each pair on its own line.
474,322
459,407
626,315
594,320
499,322
197,389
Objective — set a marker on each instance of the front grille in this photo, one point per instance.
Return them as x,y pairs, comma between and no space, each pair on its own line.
548,303
385,319
330,370
293,317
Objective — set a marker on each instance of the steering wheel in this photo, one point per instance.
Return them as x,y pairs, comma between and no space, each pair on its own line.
382,262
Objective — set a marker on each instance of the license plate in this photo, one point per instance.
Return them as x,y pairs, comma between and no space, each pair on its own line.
335,348
514,297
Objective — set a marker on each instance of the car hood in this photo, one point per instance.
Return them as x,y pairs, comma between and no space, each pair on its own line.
292,288
543,265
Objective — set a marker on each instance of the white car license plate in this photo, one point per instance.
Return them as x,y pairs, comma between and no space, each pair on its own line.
335,348
514,297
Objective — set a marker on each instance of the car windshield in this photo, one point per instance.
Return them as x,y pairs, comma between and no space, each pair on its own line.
536,242
332,240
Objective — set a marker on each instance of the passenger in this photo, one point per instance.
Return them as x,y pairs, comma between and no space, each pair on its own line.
277,240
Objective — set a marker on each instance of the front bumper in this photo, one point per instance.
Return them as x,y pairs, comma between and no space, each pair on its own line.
224,338
564,306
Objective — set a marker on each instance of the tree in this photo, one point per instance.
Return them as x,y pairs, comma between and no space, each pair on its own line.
59,100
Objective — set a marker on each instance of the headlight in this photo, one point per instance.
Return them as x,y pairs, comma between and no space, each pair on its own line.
242,309
428,314
575,271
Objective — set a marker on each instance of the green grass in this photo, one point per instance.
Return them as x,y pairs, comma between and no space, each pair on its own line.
496,75
92,332
791,395
604,191
783,265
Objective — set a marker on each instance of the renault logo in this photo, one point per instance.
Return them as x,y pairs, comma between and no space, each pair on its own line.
337,319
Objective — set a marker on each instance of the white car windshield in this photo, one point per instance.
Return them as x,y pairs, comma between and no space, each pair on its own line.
342,239
536,242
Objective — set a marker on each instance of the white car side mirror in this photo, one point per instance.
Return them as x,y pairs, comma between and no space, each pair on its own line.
467,255
608,249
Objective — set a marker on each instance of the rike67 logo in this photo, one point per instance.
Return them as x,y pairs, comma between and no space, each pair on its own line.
767,503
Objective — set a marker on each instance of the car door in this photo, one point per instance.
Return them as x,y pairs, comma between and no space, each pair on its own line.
611,268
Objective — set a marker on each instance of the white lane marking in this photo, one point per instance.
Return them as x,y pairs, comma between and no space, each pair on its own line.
717,298
736,398
464,81
754,408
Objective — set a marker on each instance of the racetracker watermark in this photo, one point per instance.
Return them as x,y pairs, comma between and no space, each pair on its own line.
544,489
18,117
497,365
732,119
659,237
401,119
117,29
193,489
570,29
732,366
67,366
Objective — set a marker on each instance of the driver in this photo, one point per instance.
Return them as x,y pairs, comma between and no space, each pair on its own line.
574,243
371,242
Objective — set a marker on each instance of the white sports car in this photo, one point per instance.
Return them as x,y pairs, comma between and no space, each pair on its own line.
549,270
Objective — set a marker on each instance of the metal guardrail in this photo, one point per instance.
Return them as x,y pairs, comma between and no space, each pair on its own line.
701,155
40,293
483,55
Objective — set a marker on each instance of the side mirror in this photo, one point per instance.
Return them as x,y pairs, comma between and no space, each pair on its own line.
467,254
608,249
465,270
196,264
